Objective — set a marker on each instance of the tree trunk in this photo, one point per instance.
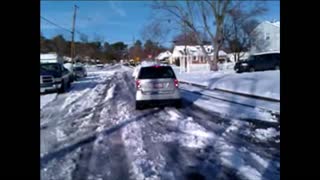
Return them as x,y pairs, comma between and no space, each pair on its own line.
217,45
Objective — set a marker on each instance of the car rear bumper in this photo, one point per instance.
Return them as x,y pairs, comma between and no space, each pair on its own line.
241,68
160,102
53,87
140,96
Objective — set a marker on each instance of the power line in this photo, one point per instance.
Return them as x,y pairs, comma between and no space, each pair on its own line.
55,24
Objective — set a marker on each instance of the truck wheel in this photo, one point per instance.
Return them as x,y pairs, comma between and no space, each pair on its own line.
63,88
178,104
69,85
138,105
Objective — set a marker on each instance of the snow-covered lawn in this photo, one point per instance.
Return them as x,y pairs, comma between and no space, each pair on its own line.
201,78
262,84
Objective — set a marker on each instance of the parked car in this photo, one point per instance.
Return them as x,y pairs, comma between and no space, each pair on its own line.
53,75
157,85
259,62
80,71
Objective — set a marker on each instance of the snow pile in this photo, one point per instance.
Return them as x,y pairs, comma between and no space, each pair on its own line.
110,93
249,173
73,96
254,102
266,134
173,115
262,162
235,126
45,99
264,84
227,109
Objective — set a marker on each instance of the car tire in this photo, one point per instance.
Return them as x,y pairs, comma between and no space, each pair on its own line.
251,69
62,88
138,105
178,104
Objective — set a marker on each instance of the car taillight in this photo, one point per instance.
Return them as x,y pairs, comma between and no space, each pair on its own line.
176,83
138,84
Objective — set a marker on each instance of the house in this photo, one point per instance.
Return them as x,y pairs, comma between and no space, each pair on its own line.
192,58
266,37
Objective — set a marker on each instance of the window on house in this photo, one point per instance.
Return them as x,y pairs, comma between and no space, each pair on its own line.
267,36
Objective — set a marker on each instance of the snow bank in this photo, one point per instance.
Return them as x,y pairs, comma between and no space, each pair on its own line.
264,84
110,93
227,109
266,134
45,99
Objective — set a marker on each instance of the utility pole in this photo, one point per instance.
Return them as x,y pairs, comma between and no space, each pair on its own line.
72,33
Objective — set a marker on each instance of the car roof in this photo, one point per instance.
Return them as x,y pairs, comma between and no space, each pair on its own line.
150,64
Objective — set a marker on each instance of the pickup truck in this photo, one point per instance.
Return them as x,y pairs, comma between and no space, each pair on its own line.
53,75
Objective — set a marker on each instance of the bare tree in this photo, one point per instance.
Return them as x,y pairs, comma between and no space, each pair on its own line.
209,15
258,42
239,25
190,38
186,13
156,30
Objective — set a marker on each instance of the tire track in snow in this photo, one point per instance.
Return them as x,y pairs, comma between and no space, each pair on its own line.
107,158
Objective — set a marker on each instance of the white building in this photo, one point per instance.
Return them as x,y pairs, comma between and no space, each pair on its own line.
164,56
192,58
266,37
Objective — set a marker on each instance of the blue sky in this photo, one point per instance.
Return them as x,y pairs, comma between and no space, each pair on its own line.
111,20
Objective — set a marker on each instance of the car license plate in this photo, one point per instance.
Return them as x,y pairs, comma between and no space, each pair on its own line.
157,85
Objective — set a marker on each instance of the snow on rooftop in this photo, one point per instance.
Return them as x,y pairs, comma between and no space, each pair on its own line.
276,23
195,50
48,56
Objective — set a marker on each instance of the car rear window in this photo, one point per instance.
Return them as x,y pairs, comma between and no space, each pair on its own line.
156,72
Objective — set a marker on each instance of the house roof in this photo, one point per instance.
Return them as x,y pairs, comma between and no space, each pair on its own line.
195,50
275,24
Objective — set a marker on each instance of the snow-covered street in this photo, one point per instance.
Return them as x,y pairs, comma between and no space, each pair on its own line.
93,132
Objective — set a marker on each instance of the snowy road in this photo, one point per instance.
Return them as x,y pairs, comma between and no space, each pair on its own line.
94,132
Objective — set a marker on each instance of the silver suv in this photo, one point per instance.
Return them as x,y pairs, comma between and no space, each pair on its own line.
157,85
